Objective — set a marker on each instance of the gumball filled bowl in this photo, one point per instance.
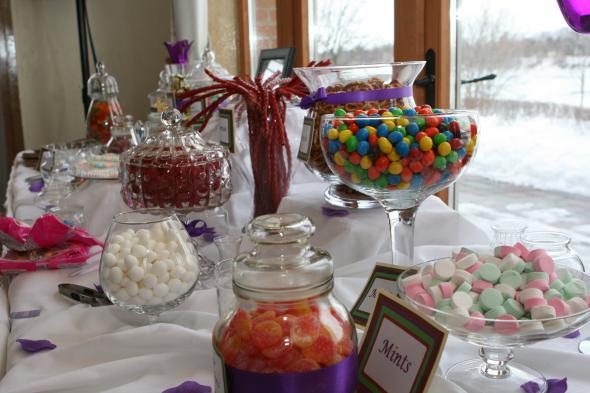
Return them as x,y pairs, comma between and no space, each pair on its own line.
149,264
399,157
482,309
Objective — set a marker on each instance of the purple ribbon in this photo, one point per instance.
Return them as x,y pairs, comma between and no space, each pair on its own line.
33,346
178,51
553,386
329,212
339,378
189,387
355,96
195,230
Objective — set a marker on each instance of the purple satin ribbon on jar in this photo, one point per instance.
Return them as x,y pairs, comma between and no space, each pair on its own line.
178,51
208,233
355,96
339,378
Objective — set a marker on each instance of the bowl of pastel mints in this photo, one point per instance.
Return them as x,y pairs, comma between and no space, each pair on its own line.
513,298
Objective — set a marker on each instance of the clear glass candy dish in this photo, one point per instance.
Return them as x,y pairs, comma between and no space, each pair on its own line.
176,170
494,371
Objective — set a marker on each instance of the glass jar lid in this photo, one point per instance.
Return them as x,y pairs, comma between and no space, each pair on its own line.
283,266
101,83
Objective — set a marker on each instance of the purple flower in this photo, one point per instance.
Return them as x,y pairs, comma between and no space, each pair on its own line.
553,386
329,212
33,346
37,185
574,334
189,387
178,51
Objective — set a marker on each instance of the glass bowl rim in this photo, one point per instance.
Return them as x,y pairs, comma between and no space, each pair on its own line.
556,238
436,311
362,66
164,214
451,112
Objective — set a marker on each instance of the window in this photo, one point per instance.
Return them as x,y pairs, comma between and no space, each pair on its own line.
263,28
351,32
535,116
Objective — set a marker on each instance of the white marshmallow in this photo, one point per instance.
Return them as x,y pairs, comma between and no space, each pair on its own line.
189,277
131,261
164,278
136,273
116,275
161,290
132,288
461,300
122,295
146,293
159,268
444,269
114,248
110,260
118,239
149,281
138,250
175,285
177,271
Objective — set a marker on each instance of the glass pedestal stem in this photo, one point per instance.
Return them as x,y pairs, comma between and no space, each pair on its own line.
495,363
401,227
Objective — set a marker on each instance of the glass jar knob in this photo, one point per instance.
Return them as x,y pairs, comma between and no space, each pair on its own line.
171,117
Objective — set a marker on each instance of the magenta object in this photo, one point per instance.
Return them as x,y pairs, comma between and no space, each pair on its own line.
576,14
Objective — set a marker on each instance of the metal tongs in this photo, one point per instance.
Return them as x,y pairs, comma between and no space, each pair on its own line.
85,295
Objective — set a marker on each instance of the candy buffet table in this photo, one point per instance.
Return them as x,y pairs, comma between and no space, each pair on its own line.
105,349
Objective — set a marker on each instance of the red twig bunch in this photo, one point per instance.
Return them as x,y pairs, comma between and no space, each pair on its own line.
269,145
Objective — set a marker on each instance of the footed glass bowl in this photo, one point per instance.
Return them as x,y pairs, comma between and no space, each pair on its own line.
494,371
399,158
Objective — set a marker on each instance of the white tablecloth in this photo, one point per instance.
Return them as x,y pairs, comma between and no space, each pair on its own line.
108,350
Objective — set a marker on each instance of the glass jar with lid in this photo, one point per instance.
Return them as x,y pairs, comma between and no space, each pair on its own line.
557,245
175,169
103,90
285,330
122,135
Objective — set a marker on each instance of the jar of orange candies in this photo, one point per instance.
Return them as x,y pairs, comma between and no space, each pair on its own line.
285,331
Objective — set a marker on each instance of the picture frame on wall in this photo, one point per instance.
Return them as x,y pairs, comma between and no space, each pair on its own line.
276,59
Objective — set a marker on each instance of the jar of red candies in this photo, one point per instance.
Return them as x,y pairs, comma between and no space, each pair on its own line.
175,169
285,332
103,90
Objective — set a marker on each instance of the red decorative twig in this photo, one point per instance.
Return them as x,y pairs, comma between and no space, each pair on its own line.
265,103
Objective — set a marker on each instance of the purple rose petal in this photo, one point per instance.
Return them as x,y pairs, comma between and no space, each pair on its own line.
553,386
557,385
574,334
189,387
33,346
530,387
37,185
329,212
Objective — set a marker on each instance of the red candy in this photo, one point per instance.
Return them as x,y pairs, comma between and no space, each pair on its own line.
292,339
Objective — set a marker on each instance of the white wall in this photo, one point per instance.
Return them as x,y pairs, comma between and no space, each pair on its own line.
128,35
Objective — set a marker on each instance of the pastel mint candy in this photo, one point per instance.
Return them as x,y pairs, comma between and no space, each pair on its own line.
444,304
557,285
564,275
511,278
520,266
574,288
528,267
551,294
476,308
514,308
537,276
489,272
495,312
490,298
464,287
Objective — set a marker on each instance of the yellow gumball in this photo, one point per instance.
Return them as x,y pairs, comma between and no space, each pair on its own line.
333,133
395,168
366,162
344,135
384,145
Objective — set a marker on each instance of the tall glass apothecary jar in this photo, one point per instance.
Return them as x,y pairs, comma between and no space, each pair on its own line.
104,107
285,330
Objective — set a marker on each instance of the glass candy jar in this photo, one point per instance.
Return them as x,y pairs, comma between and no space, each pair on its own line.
557,245
103,90
353,89
507,233
148,264
285,330
175,169
122,135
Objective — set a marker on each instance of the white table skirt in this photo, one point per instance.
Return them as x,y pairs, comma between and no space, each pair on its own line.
108,350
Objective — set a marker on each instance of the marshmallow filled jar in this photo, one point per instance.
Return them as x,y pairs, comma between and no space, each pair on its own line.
149,264
399,157
496,335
